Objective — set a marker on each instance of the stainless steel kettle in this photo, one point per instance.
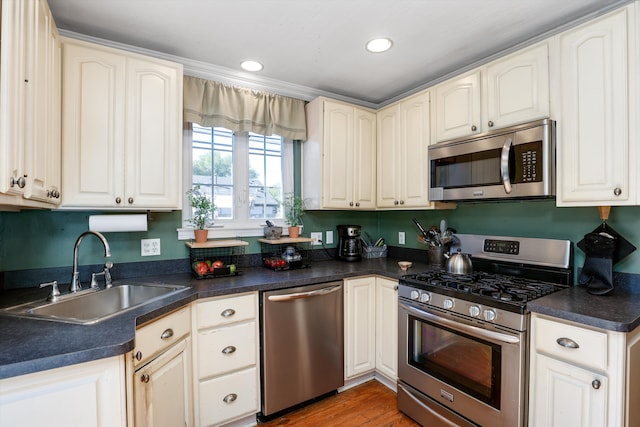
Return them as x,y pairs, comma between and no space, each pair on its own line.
459,263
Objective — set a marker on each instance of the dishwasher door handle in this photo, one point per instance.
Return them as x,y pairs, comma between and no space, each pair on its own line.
298,295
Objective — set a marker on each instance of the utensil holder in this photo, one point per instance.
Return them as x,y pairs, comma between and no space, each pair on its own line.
435,255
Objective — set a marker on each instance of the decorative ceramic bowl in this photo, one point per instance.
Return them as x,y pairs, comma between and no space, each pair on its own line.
404,265
273,232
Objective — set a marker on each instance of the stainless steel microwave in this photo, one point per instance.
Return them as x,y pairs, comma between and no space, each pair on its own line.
511,163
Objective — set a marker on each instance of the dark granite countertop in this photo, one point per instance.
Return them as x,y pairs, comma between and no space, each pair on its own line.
619,311
32,345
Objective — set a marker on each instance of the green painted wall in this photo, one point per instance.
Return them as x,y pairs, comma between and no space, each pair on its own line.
43,239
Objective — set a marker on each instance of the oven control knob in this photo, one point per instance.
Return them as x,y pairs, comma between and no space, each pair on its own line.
425,297
474,311
414,295
489,315
448,303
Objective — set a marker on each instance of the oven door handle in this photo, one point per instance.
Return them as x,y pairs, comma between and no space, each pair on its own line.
483,333
504,165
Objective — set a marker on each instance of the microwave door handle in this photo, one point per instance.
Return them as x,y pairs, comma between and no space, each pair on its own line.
504,165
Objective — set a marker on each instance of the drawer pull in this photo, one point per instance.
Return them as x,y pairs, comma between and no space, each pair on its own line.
595,384
144,378
168,333
567,343
138,356
229,398
228,350
228,312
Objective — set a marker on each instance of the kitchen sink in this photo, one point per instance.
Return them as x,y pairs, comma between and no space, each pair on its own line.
93,306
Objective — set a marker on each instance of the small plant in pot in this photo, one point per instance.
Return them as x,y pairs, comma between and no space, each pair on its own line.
293,211
203,210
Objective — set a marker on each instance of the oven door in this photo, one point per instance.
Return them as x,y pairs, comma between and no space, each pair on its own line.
477,373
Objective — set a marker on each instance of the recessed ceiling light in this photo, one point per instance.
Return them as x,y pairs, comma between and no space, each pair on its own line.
251,65
379,45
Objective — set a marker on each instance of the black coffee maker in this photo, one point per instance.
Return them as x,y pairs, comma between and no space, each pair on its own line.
349,243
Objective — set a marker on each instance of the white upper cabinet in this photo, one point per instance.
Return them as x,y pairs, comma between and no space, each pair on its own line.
403,142
339,156
517,88
30,70
457,107
597,111
511,90
122,129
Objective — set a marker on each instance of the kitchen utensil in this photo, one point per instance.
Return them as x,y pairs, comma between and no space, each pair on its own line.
443,226
459,263
371,241
422,230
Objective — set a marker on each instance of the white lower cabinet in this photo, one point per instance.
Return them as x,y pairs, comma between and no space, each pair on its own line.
371,338
582,376
226,373
160,372
86,394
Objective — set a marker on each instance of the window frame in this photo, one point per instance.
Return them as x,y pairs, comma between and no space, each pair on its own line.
237,227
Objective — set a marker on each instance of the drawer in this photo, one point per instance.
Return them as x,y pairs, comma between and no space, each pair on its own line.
154,337
226,349
592,344
227,310
231,396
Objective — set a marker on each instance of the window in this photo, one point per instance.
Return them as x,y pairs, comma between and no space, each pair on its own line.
247,174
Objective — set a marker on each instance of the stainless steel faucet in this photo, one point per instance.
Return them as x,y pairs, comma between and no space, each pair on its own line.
75,279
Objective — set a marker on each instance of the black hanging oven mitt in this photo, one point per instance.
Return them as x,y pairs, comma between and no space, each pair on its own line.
597,272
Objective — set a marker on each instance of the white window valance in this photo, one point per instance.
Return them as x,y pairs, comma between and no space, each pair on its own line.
210,103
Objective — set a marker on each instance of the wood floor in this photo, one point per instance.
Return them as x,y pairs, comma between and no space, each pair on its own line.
370,404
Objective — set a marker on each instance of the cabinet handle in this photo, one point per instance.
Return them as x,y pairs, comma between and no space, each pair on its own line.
20,182
351,204
401,202
130,200
567,343
228,349
138,356
357,204
490,124
144,378
395,203
168,333
474,128
228,312
229,398
118,200
616,192
595,384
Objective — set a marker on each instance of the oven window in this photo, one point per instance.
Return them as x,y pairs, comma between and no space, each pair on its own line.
467,363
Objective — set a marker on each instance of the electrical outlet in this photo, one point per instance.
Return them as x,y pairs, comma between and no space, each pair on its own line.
401,237
317,238
149,247
329,239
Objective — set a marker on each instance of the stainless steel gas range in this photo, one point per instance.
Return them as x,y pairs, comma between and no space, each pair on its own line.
463,339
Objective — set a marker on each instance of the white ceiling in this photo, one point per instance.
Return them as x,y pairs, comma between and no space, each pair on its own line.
319,44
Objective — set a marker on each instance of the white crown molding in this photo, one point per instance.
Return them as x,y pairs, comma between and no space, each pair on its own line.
225,75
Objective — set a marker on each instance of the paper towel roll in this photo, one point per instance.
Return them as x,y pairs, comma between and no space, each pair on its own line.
117,223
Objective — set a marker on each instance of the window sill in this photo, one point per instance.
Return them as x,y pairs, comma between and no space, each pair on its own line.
226,232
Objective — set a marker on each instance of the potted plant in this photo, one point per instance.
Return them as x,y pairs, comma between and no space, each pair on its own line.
203,209
293,210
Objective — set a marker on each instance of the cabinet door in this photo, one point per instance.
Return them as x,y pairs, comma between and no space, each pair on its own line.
162,389
458,107
360,318
518,88
86,394
153,135
14,87
593,135
338,151
566,395
42,150
93,126
388,157
414,151
387,327
364,170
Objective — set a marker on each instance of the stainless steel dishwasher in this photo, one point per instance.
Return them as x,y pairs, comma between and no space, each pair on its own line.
302,345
